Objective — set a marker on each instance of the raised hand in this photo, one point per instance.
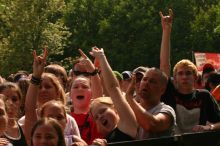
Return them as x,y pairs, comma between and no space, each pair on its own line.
86,62
97,52
39,63
131,88
78,141
99,142
166,21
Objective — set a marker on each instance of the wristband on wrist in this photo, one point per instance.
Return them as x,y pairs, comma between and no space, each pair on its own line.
96,71
35,80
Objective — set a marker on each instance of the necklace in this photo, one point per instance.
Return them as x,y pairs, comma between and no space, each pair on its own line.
14,138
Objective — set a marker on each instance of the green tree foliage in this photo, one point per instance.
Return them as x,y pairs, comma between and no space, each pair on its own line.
28,25
128,30
205,30
124,28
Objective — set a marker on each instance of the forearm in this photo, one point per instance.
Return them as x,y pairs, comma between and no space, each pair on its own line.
109,79
30,110
120,103
144,119
96,85
165,52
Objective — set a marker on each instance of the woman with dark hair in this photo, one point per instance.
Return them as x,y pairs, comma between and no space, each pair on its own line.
47,131
59,72
13,132
3,121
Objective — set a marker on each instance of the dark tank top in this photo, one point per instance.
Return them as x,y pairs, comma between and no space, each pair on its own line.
116,136
17,141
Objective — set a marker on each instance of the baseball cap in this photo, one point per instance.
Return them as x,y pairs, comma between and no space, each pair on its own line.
140,69
139,72
118,75
126,75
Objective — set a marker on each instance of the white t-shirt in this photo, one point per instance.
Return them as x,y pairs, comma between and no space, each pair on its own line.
70,129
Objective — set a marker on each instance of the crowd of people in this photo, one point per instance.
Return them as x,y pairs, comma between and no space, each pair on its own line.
96,105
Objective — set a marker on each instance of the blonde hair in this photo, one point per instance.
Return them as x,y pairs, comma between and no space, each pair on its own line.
101,100
58,86
185,63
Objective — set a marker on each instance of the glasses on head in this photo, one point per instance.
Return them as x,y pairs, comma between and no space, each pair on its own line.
186,73
139,77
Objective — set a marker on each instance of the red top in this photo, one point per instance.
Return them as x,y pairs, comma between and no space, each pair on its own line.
87,127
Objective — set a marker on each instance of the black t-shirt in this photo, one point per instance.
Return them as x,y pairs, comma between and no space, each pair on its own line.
199,98
116,136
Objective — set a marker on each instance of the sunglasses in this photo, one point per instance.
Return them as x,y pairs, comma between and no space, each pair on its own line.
77,73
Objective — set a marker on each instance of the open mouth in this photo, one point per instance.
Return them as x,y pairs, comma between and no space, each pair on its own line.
144,91
80,97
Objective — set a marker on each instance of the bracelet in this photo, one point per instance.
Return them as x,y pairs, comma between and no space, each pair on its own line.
35,80
96,71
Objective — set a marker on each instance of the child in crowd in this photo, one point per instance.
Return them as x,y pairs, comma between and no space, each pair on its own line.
47,131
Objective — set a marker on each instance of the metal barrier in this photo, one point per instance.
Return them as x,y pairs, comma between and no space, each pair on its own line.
189,139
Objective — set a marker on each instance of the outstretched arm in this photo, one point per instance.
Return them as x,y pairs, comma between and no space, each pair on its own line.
32,94
166,22
96,84
127,122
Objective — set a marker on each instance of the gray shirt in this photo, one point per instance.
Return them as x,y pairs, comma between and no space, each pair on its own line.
160,108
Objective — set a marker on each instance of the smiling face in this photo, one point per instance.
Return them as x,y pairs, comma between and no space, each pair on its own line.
81,93
105,117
